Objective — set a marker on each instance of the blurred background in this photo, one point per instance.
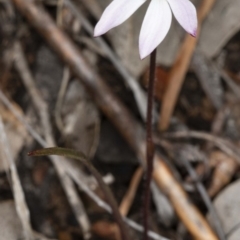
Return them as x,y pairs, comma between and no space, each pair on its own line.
89,94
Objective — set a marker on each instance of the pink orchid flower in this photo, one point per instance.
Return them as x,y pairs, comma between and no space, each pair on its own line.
156,23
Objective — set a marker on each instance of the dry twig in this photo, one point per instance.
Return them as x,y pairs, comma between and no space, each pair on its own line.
130,194
19,198
221,143
62,91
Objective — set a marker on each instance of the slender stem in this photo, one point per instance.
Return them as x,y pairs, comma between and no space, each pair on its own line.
149,143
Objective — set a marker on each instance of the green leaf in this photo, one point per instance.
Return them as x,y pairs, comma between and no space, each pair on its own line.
65,152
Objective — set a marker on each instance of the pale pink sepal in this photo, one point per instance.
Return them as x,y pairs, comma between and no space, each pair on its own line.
185,13
116,13
156,24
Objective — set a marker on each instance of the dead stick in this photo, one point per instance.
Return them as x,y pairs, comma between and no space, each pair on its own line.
128,198
180,68
118,114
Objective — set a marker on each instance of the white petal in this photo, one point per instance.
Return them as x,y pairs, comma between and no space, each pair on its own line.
156,24
185,12
116,13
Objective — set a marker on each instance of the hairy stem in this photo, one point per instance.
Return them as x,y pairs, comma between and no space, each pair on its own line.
149,143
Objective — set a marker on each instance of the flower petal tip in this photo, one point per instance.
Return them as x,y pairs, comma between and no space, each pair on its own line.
143,53
194,33
96,35
97,32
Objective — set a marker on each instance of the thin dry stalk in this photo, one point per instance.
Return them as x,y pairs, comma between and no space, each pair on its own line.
19,198
60,5
118,114
61,94
223,144
66,75
128,198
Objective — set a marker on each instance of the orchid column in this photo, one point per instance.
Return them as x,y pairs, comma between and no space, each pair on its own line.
155,27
